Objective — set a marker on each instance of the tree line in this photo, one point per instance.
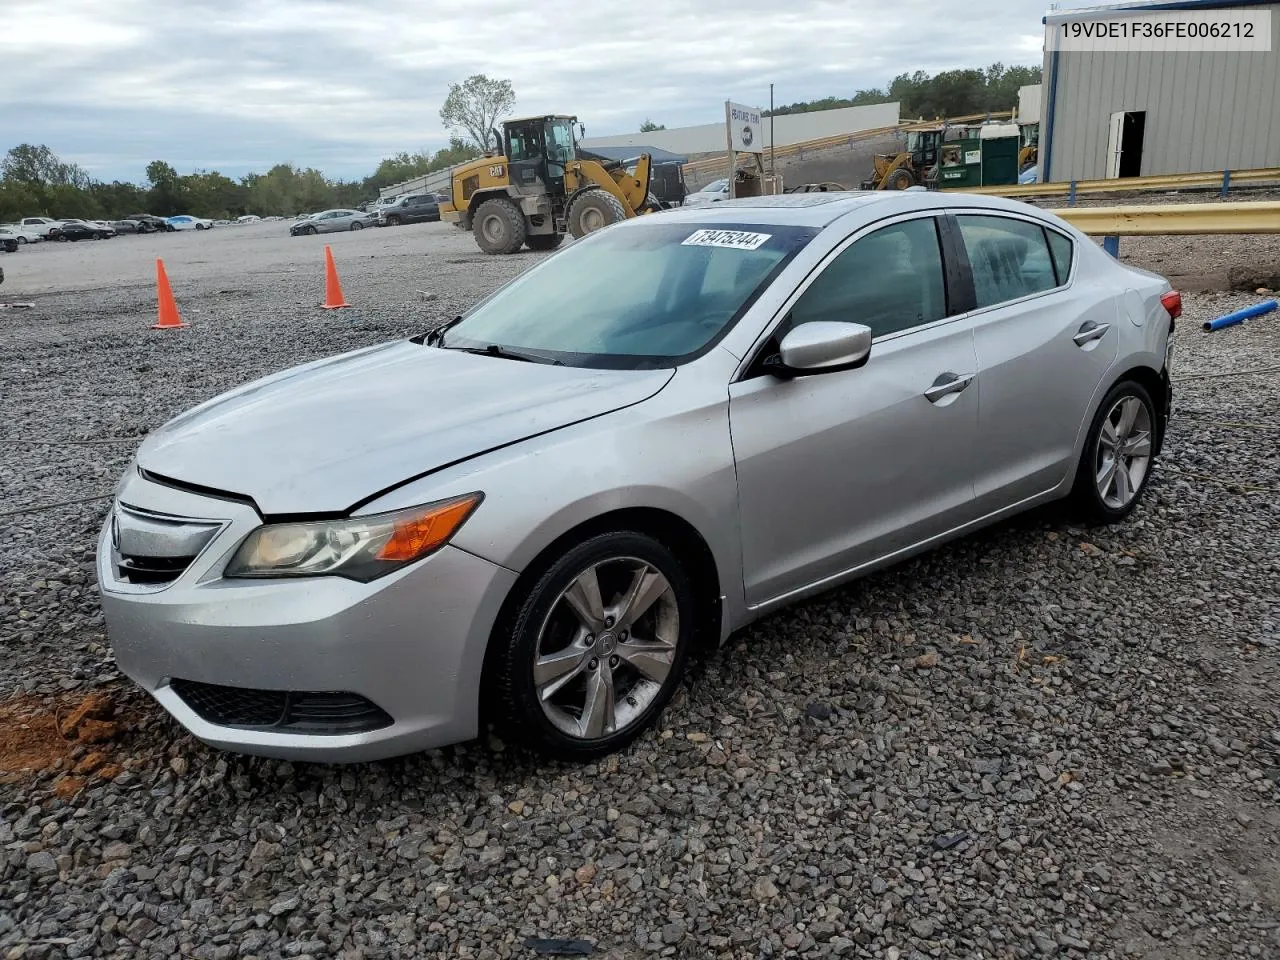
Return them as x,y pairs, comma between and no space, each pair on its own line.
951,93
34,181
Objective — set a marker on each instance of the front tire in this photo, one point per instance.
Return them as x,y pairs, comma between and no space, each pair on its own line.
594,649
394,221
900,179
499,226
357,225
22,241
593,210
1119,453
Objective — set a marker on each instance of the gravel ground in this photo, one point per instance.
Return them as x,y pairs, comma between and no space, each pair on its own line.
1039,741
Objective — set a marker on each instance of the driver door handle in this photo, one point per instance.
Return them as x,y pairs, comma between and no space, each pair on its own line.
1090,331
946,384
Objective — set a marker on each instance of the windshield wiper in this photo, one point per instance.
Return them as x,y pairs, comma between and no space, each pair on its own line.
496,350
436,337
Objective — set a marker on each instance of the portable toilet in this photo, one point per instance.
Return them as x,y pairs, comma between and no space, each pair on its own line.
1000,145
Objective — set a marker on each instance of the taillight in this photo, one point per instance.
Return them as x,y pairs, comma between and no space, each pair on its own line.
1172,302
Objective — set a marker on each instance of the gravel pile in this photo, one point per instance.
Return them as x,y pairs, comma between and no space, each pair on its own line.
1042,741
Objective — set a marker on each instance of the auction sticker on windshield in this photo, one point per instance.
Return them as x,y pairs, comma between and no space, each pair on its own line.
738,239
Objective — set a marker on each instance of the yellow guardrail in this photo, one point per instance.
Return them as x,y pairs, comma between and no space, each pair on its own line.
1172,181
720,161
1174,219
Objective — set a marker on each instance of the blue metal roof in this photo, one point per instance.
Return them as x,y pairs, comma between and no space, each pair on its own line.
1076,12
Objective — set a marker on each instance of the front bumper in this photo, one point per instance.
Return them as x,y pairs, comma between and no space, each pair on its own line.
411,643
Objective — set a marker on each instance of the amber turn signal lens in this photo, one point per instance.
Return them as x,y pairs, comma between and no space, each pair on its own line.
416,536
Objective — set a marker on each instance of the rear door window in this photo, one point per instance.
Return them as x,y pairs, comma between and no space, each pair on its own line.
1010,259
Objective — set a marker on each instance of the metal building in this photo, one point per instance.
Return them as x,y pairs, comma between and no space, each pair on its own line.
1111,113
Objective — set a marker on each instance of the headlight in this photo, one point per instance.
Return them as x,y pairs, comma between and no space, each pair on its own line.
363,548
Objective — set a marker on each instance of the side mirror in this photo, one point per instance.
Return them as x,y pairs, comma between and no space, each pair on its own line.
823,346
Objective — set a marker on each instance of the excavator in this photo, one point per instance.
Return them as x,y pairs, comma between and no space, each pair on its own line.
543,185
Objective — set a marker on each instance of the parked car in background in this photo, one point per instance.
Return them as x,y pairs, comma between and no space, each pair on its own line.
9,241
713,192
413,208
81,230
149,223
332,221
24,234
185,222
103,225
43,225
125,226
534,513
249,218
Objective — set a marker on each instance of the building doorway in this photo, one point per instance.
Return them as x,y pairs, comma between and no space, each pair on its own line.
1124,143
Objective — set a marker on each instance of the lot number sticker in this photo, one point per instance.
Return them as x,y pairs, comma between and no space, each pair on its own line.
738,239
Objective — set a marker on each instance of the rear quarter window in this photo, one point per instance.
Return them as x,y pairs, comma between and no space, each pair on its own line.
1061,249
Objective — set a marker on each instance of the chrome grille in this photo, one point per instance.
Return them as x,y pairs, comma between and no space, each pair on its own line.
152,549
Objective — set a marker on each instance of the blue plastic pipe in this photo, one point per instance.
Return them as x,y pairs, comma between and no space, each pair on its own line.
1240,315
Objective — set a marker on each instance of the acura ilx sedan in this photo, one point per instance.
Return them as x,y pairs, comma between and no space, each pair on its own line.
667,429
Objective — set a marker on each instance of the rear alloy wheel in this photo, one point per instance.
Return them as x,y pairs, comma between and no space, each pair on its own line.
1118,455
593,210
596,649
499,226
544,241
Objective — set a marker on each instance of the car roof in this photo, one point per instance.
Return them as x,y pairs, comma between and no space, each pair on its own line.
817,209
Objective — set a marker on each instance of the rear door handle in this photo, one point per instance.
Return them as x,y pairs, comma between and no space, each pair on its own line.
947,384
1091,331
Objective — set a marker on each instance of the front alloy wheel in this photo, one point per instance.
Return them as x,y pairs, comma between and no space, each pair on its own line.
596,649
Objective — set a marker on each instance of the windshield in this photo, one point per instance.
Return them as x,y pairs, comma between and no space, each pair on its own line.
636,296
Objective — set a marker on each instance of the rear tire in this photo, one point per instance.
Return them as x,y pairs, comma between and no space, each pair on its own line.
592,210
544,241
544,629
1118,455
357,225
499,226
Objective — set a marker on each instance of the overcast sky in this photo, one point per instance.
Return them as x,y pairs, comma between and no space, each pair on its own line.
237,85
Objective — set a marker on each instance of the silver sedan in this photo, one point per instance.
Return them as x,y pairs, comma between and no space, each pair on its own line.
333,221
656,435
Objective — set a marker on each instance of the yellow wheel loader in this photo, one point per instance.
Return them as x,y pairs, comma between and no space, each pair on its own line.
543,186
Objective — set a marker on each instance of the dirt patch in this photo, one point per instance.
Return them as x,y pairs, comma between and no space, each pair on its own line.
71,733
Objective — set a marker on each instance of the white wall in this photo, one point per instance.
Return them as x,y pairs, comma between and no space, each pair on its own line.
792,128
1029,103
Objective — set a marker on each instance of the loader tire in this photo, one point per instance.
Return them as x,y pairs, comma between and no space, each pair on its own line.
499,226
900,179
593,210
543,241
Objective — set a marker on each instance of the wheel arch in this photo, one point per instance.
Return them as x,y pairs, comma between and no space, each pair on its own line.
1143,370
665,526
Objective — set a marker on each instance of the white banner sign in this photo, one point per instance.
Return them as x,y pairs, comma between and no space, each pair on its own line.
1211,31
745,134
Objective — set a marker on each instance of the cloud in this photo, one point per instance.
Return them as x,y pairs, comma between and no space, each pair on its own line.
238,85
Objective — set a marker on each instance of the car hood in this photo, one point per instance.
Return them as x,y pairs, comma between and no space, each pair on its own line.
327,435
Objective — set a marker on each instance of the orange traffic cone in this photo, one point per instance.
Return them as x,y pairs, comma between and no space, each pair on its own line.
333,299
168,311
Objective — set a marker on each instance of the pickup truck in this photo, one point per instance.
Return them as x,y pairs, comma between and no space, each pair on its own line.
41,225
